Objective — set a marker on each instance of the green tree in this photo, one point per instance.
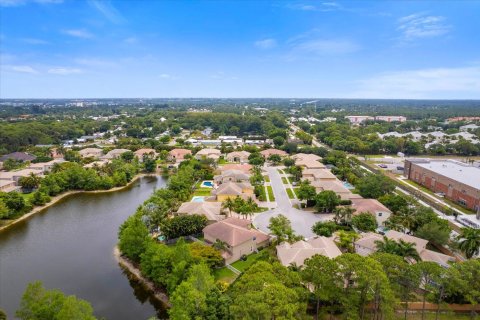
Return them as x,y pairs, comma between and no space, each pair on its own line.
434,232
322,276
288,162
4,212
275,159
343,215
228,204
278,141
430,274
30,182
469,242
281,227
306,191
326,201
268,291
14,201
346,240
365,222
324,228
127,156
374,186
38,303
133,237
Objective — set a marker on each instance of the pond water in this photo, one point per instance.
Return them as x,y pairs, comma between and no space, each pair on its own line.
69,246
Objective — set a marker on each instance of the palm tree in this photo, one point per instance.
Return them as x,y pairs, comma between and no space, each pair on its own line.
228,204
343,214
387,246
469,241
219,245
408,251
252,206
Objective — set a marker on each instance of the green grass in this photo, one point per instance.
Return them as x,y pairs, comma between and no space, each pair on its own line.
290,193
289,179
243,265
267,178
447,201
261,209
202,192
281,171
284,180
224,274
270,193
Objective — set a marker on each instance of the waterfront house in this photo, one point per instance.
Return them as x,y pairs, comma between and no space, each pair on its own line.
145,151
178,155
211,210
237,236
114,154
232,190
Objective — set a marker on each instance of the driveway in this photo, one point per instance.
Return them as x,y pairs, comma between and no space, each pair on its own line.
302,221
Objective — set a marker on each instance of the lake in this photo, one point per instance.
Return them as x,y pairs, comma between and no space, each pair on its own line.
69,246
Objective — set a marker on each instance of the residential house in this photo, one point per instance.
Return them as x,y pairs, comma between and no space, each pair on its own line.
178,155
245,167
318,174
211,210
145,151
237,235
366,245
238,156
231,176
114,154
372,206
208,154
45,167
91,153
232,190
296,253
8,186
335,186
18,156
267,153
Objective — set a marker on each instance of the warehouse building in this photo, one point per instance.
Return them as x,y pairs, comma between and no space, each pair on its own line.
455,180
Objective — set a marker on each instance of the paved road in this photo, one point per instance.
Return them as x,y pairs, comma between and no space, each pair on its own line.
302,221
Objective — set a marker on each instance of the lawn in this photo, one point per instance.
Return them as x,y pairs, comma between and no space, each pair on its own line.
284,180
251,259
290,193
267,178
202,192
224,274
270,193
281,171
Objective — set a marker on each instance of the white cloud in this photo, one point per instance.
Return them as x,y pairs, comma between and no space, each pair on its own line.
22,69
106,8
165,76
266,43
325,46
420,25
462,83
78,33
64,71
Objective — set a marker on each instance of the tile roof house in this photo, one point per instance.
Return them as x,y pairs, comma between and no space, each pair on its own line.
231,176
232,190
91,153
140,152
8,186
208,154
178,155
366,245
373,207
114,154
245,167
238,156
267,153
318,174
211,210
296,253
45,166
309,161
238,237
335,186
16,175
18,156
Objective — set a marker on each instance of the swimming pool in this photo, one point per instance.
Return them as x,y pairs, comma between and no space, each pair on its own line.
348,185
207,184
198,199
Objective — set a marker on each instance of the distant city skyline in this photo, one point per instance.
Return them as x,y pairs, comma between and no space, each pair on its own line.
239,49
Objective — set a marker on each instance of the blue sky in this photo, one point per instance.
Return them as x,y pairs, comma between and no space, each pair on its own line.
147,48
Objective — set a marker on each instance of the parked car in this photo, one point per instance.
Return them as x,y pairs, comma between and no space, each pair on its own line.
383,166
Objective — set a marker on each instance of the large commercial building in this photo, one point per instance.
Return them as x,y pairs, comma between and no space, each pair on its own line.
458,181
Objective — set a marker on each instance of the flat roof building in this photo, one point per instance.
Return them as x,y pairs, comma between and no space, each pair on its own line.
457,181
